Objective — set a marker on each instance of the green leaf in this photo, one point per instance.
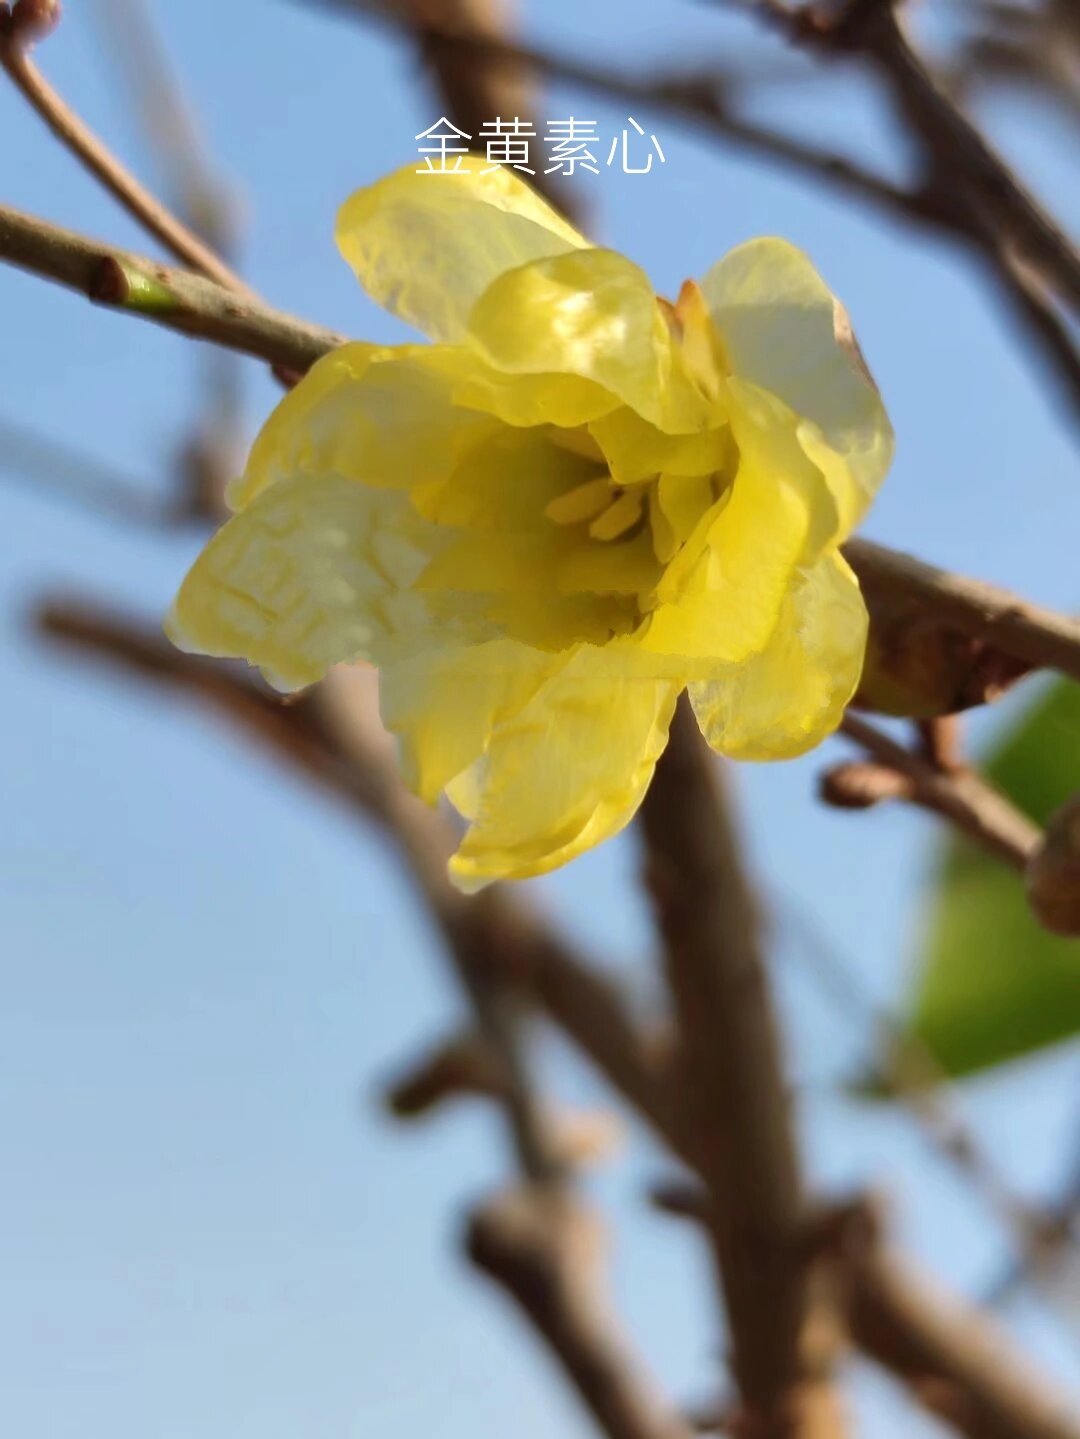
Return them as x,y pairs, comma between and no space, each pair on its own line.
992,985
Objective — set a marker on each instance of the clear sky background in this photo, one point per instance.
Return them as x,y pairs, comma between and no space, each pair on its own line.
206,1227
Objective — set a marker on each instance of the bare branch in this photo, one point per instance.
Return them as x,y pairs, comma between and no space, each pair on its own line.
1016,626
961,796
730,1075
177,299
546,1250
92,152
356,769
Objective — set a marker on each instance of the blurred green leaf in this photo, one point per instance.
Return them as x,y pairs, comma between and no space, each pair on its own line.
992,985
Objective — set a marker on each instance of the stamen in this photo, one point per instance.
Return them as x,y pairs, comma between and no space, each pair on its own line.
623,515
582,503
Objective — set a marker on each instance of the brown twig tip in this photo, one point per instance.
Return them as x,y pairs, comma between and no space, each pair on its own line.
861,785
109,284
1053,873
30,21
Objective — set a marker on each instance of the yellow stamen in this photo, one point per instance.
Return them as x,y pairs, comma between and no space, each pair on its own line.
583,503
623,515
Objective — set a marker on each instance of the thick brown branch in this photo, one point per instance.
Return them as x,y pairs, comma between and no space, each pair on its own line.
1014,625
730,1074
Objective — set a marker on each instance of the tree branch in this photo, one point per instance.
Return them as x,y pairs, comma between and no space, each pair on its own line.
961,796
96,156
730,1077
162,294
351,762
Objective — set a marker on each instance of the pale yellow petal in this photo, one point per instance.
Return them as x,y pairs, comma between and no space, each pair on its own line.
564,772
382,416
299,580
593,314
427,245
635,450
444,704
785,700
720,597
784,331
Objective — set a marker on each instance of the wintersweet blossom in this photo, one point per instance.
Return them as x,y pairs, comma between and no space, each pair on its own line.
577,503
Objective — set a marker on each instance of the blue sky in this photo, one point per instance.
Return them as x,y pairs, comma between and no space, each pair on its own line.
206,1226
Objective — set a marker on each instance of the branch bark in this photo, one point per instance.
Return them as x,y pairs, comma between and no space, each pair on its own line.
352,764
730,1078
961,796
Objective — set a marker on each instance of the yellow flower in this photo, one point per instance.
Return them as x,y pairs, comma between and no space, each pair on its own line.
580,501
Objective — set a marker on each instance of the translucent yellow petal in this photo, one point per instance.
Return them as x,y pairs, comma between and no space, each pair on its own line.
720,597
564,772
444,704
635,450
785,700
383,416
784,331
683,500
426,246
299,580
593,314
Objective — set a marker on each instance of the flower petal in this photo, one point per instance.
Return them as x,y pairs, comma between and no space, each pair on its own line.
590,313
443,705
426,246
721,597
784,331
305,578
379,415
785,700
565,771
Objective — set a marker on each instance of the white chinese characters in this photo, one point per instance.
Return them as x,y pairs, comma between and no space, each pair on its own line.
568,146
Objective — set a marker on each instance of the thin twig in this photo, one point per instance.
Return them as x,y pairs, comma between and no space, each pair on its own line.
958,149
162,294
96,156
961,796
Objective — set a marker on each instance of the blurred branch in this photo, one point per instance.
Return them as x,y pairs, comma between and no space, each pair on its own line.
544,1249
952,1360
166,120
96,156
353,764
938,200
961,796
205,202
729,1074
70,474
904,1070
331,735
958,158
701,97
